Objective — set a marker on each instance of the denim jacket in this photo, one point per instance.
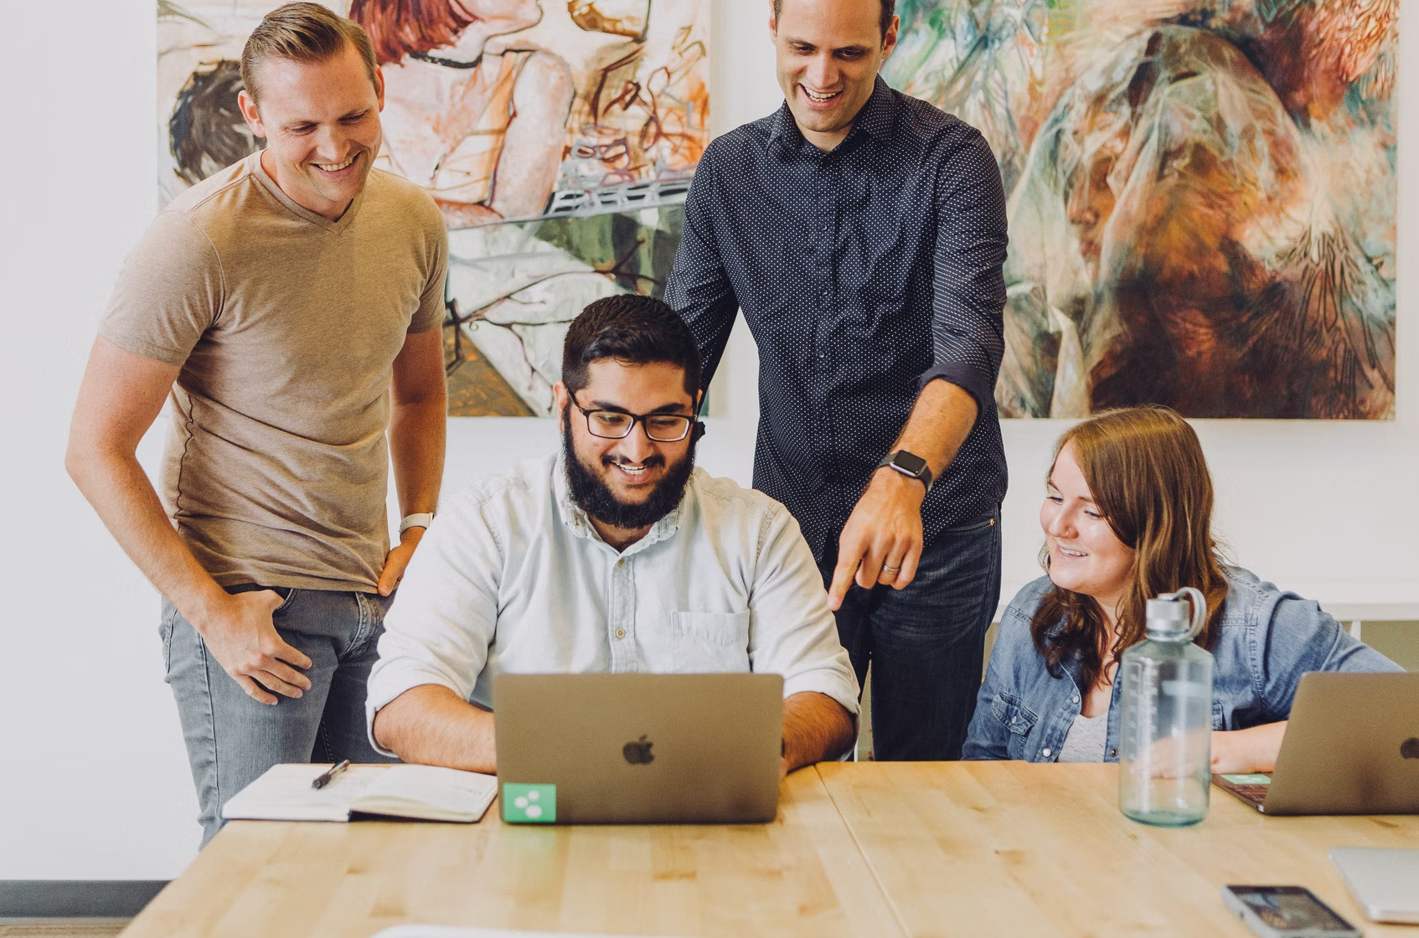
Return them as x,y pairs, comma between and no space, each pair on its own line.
1266,639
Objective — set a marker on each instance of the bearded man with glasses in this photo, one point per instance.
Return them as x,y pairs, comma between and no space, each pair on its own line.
615,554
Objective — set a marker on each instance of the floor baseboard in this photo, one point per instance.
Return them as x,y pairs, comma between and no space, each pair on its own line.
76,898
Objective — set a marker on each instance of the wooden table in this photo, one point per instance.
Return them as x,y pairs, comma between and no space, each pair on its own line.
800,875
866,849
1010,848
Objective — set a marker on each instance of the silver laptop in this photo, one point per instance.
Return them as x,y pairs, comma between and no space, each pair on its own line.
648,748
1383,880
1351,747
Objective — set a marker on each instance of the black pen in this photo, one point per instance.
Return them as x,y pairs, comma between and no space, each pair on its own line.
324,778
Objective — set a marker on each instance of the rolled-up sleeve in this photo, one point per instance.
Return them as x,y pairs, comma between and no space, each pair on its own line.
792,631
439,630
967,332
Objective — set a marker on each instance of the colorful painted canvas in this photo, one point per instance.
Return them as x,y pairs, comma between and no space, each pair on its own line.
557,136
1201,195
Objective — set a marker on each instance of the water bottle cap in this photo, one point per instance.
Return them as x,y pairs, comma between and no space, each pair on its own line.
1170,619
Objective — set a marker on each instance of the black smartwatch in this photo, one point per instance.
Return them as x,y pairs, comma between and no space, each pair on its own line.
908,464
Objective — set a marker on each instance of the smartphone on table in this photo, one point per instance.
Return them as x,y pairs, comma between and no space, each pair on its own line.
1286,912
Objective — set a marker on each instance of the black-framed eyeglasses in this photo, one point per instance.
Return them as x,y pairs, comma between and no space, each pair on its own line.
617,424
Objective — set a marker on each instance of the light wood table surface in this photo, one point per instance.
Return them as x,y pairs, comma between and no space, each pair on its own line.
1009,848
801,875
872,849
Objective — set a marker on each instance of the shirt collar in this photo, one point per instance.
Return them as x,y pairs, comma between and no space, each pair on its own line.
577,521
877,119
263,178
785,133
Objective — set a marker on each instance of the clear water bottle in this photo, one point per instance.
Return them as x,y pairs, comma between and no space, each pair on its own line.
1165,723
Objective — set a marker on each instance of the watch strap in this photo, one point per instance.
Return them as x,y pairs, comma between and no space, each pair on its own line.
925,476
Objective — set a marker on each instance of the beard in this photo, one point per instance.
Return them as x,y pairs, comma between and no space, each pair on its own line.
594,496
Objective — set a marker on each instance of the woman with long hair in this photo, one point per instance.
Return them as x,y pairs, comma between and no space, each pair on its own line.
1127,515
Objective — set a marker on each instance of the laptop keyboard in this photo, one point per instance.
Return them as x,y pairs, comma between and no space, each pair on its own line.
1256,794
1251,788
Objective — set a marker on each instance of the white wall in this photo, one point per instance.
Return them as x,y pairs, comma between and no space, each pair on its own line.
93,779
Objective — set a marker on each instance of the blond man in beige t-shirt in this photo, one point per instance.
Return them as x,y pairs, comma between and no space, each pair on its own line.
289,306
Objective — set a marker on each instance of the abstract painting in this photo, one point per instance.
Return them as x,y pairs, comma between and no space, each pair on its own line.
558,138
1201,196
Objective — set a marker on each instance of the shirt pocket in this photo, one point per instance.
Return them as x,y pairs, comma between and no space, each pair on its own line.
165,630
710,641
1017,719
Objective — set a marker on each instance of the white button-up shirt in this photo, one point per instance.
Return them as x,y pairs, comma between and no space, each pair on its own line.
513,577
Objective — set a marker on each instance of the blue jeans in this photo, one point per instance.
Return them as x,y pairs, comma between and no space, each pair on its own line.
231,739
926,643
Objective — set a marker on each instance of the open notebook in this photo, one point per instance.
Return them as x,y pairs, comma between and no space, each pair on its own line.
426,792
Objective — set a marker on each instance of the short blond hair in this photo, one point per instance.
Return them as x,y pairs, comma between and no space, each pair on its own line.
302,32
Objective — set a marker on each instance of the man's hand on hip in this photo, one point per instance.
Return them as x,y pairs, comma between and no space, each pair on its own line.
881,542
244,640
398,559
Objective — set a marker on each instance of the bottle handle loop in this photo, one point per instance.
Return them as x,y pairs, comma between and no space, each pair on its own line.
1198,603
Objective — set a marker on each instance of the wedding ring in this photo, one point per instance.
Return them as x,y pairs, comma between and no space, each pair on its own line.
890,569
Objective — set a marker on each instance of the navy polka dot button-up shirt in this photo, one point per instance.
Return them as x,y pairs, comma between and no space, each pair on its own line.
863,273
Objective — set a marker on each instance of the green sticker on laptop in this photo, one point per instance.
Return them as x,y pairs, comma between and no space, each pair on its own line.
529,804
1252,779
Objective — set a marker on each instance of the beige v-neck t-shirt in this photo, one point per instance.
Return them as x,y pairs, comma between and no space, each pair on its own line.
286,326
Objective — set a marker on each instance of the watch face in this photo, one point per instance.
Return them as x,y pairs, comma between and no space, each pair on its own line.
910,462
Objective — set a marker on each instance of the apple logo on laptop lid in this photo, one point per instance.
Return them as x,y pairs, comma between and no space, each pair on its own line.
637,751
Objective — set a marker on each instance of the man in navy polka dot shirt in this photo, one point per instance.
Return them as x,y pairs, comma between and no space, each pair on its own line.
862,232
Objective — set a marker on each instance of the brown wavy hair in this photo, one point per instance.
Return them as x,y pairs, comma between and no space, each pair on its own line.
400,27
1145,470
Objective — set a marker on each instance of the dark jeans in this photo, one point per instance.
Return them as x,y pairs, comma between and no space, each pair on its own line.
231,739
925,643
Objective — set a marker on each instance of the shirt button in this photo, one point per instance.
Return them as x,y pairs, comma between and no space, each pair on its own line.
620,633
1045,752
1074,699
